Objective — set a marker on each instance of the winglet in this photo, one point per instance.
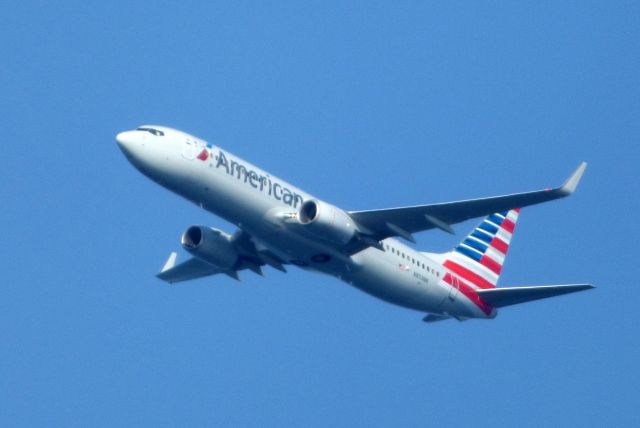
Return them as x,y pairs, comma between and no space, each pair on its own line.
571,184
170,263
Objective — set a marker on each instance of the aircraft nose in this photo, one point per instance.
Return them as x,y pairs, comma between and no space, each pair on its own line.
125,140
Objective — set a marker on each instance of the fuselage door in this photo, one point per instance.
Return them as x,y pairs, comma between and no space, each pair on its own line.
189,149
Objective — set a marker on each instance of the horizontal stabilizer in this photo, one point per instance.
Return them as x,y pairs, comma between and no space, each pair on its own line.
506,296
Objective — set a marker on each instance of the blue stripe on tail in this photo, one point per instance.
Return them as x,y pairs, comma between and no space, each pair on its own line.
469,253
475,244
482,236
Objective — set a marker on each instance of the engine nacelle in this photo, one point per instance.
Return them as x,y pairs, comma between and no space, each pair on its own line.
327,221
211,245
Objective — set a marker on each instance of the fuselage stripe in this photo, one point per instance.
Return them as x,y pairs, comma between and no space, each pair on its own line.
469,293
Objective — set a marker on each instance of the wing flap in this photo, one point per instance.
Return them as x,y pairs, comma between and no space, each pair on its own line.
424,217
506,296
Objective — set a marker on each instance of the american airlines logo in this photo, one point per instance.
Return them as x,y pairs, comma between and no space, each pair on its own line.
255,180
204,155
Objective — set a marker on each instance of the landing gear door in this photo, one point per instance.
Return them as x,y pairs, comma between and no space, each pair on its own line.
189,149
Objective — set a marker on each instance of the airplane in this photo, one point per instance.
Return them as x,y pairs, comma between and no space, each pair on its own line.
280,225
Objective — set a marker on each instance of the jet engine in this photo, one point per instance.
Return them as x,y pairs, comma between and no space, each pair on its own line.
327,221
211,245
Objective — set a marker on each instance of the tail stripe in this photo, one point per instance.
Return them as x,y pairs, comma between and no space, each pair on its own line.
491,264
492,223
508,225
465,273
482,236
488,227
494,218
500,245
478,259
473,266
469,252
476,244
504,235
495,255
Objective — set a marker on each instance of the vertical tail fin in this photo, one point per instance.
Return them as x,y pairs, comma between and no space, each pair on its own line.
478,259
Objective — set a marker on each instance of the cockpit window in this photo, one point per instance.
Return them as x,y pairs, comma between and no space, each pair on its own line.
155,132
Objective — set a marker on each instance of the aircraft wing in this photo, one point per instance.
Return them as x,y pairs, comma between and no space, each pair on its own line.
190,269
249,258
380,224
506,296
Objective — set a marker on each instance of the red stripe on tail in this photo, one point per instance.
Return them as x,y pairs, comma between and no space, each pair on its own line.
508,225
470,276
499,245
491,264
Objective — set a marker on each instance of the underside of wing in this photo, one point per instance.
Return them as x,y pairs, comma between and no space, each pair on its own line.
190,269
404,221
247,257
507,296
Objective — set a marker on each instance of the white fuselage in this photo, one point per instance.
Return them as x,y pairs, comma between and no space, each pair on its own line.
260,204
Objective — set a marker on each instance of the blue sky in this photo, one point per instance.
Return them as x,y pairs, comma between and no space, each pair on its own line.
367,105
